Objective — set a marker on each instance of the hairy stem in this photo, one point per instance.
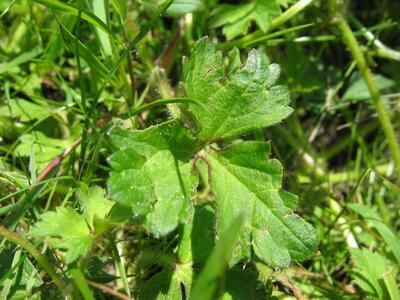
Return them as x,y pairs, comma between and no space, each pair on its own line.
355,49
17,239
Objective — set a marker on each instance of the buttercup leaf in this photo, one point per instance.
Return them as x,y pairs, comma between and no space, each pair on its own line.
95,204
236,19
244,180
244,99
68,230
154,169
152,174
64,229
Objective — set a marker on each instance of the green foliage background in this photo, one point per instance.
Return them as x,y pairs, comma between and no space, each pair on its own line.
199,149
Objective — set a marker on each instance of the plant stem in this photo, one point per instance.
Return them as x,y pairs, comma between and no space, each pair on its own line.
289,13
381,49
108,290
17,239
355,49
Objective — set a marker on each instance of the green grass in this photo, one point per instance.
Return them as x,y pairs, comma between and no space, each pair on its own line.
73,71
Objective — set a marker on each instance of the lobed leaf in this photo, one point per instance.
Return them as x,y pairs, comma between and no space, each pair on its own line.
95,204
244,180
64,229
152,168
237,101
44,148
152,173
236,19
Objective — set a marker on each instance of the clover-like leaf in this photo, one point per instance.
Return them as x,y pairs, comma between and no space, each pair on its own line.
235,102
152,174
244,180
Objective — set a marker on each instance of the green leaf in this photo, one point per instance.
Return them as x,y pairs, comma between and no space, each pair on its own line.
197,238
25,110
371,269
121,7
100,10
166,285
17,274
237,101
90,58
358,90
374,220
64,229
95,205
24,57
81,283
236,19
177,8
244,180
44,147
152,173
389,278
162,286
243,285
152,169
86,15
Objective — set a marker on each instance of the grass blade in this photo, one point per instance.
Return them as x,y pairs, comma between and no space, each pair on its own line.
159,102
85,14
21,59
80,282
142,33
100,10
95,64
391,285
205,286
375,221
